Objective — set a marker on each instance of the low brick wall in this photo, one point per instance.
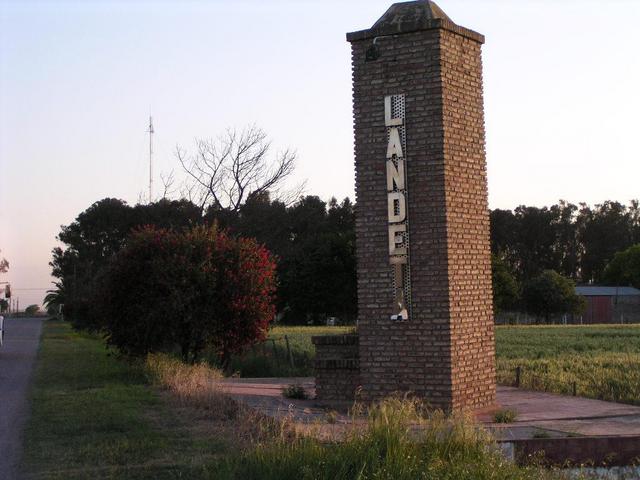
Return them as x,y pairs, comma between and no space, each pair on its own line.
596,451
337,367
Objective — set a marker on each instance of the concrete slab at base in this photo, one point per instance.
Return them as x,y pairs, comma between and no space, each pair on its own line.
567,429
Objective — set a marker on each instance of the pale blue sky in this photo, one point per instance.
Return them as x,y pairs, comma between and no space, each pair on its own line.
78,80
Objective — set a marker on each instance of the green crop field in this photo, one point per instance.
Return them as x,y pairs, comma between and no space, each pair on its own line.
601,361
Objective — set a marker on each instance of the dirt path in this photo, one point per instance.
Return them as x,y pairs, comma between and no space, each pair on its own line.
17,358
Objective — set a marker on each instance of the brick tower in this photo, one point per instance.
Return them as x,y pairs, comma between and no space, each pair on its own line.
425,320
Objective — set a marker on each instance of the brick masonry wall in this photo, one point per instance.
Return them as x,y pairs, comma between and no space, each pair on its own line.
596,451
468,231
444,352
336,367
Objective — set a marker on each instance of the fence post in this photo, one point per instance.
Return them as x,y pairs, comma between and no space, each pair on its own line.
518,376
574,389
286,340
275,350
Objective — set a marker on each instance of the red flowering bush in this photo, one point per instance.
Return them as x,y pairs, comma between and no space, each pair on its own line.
193,290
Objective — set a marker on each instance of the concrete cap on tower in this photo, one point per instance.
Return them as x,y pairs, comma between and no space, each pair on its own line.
406,17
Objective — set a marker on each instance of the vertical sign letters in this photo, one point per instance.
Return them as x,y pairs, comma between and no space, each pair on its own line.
394,115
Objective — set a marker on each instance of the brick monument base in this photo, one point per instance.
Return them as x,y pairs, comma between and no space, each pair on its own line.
425,319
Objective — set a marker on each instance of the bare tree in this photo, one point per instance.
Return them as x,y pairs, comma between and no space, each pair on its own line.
224,172
167,184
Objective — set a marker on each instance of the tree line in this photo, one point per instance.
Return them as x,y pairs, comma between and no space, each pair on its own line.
312,242
576,242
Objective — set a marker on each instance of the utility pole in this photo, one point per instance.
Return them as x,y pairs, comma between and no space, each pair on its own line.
150,159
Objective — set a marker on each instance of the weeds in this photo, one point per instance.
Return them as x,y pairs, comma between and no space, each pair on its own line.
192,385
331,417
295,391
399,441
505,416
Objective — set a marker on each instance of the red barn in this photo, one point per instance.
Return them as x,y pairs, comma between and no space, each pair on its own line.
610,304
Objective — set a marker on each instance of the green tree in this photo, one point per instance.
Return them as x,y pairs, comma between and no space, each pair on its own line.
602,231
314,243
566,247
55,299
32,309
94,237
318,269
549,293
265,220
535,240
505,286
624,269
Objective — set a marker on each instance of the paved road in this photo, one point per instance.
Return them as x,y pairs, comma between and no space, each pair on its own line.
17,358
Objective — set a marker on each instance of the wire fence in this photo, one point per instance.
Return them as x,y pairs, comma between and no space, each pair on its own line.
279,348
522,377
277,356
609,388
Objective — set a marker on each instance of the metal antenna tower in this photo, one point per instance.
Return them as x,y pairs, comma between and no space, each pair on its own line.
150,159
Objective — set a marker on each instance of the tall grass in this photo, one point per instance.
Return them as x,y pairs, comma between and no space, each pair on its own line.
191,385
398,442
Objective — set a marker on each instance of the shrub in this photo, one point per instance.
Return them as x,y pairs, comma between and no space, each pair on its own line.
550,293
32,309
505,416
295,391
195,290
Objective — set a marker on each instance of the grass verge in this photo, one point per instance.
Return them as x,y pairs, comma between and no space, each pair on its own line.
94,416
